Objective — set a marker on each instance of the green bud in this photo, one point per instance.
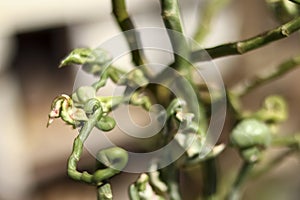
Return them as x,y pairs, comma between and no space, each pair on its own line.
91,106
84,93
106,123
138,99
62,106
114,157
136,78
78,115
105,192
191,142
274,110
143,190
175,106
101,60
251,155
250,133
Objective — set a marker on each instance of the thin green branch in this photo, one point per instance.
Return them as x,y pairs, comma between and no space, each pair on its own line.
273,163
171,15
241,47
172,20
235,191
263,78
78,149
210,179
133,39
295,1
170,176
116,158
291,141
206,16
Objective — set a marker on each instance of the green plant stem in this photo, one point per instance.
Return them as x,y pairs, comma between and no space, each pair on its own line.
292,141
172,20
295,1
235,191
263,78
273,163
206,16
170,176
133,39
210,179
241,47
78,148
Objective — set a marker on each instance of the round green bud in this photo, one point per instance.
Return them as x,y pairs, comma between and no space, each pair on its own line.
250,133
113,157
85,93
91,106
106,123
251,155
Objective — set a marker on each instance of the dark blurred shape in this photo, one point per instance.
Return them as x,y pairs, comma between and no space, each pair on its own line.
35,62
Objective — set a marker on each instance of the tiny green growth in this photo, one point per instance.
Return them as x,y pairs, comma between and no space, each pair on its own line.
250,133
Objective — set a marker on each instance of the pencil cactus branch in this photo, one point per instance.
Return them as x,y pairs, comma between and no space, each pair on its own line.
172,19
267,76
244,46
206,16
121,15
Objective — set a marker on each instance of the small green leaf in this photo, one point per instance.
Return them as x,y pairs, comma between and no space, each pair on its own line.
102,59
77,56
93,60
105,192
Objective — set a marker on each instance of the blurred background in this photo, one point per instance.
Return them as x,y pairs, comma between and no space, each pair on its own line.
36,35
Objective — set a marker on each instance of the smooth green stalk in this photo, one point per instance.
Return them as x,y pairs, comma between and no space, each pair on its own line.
295,1
210,179
115,158
263,78
273,163
206,16
172,20
133,39
78,148
241,47
171,15
170,176
292,141
235,191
